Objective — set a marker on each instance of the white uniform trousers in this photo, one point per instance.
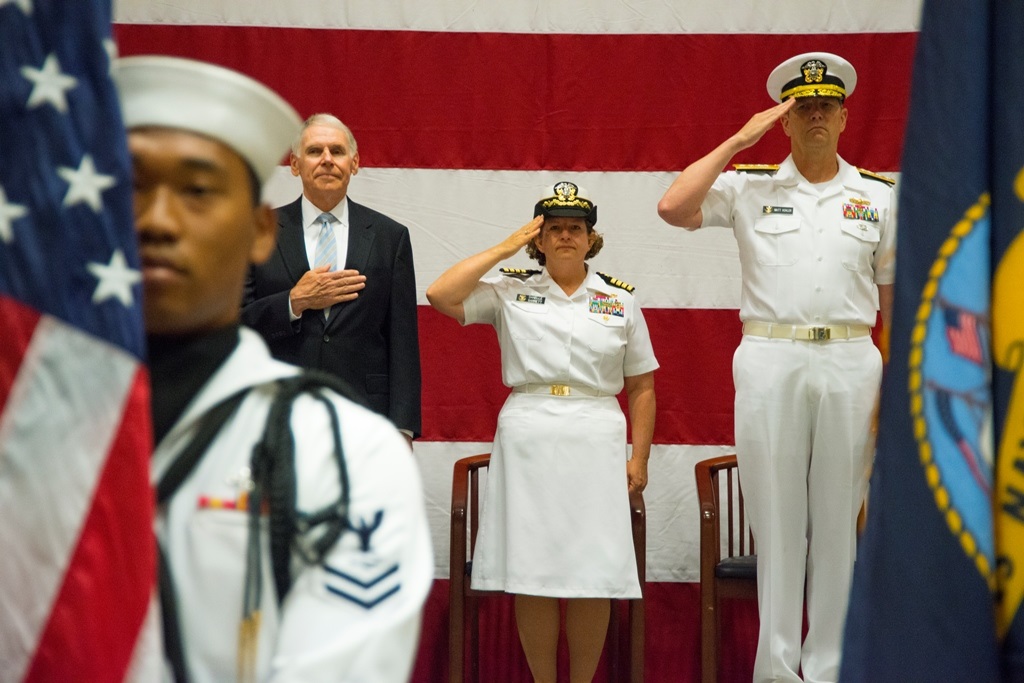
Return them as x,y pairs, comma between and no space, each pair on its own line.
804,445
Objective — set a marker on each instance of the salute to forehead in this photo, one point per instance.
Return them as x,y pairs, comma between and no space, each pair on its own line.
818,83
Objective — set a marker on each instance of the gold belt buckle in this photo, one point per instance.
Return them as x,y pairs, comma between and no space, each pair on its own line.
820,334
559,389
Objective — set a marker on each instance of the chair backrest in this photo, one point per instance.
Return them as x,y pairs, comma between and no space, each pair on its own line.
722,516
728,565
466,489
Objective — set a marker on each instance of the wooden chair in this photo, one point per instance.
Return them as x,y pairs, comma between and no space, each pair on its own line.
723,529
463,600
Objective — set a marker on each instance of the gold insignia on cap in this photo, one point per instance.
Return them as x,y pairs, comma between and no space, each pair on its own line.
566,191
813,71
566,196
823,90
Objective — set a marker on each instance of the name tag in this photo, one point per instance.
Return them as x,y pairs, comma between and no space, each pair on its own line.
530,298
784,210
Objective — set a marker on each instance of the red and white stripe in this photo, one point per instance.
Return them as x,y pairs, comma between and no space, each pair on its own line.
78,566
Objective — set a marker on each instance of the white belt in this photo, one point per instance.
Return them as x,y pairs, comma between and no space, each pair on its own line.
757,328
558,390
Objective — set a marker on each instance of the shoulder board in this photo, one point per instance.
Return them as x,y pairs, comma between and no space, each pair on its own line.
875,176
756,168
616,282
521,273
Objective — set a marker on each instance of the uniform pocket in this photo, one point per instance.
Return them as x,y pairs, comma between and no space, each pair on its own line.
859,242
527,320
606,335
607,320
776,240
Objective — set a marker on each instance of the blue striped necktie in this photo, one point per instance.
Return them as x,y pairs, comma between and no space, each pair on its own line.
326,248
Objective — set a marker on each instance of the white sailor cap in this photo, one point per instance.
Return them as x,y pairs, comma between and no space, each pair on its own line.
222,104
812,74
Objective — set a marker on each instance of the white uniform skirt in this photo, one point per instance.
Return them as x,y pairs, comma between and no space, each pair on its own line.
555,519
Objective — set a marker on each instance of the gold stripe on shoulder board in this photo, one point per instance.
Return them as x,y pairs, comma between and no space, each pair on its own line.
875,176
616,282
756,168
521,273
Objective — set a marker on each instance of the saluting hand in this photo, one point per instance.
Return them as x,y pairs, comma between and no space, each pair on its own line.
319,288
760,123
521,237
457,283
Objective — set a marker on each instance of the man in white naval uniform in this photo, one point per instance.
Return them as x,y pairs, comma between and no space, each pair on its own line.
816,241
202,140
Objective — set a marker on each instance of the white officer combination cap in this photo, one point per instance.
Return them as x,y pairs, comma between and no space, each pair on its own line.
812,74
566,199
245,115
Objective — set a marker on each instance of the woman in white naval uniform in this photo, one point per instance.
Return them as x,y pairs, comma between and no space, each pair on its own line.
555,522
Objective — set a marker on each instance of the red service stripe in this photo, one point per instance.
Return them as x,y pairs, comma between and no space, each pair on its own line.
102,603
462,389
638,102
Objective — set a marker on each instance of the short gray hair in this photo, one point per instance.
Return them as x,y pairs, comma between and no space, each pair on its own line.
331,121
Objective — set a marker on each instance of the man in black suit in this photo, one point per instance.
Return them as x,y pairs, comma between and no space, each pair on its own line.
339,292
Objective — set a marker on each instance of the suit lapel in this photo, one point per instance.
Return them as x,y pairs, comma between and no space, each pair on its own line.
360,239
291,243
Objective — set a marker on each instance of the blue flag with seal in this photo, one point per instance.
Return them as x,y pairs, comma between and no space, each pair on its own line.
940,571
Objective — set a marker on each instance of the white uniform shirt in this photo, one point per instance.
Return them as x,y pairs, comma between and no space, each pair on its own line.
810,254
357,617
593,339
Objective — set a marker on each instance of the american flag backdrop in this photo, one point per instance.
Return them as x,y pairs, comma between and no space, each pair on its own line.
464,110
77,563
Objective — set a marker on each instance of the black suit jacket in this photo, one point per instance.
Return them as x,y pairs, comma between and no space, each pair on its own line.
371,342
